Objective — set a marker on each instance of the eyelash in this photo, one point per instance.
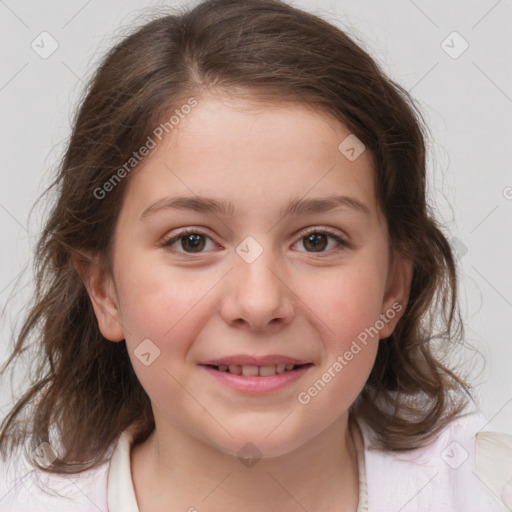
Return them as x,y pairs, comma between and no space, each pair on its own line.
343,244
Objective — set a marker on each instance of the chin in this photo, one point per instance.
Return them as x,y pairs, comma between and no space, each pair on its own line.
258,441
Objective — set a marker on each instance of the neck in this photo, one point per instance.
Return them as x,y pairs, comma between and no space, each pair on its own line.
172,470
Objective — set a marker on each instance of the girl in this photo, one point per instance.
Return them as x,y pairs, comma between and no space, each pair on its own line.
239,289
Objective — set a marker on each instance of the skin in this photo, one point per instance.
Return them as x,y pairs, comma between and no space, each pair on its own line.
291,300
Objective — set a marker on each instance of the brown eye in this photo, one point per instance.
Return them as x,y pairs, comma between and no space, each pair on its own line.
194,242
317,241
188,242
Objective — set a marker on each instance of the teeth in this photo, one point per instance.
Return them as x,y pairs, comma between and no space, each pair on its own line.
265,371
249,371
280,368
235,368
253,371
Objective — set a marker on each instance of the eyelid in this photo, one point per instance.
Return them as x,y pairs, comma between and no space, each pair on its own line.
320,229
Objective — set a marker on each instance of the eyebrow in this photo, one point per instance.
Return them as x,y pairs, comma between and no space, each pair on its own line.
296,206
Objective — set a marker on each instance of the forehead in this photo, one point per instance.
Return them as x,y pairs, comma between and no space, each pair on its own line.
254,154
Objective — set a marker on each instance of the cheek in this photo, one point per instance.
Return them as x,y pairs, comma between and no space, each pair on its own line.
348,306
157,299
169,307
347,300
161,308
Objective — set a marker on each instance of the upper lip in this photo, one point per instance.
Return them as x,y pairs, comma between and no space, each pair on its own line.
247,360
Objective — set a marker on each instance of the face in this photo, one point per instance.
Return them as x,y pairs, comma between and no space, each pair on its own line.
278,276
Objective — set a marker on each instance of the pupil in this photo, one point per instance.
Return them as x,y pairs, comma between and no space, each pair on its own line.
313,239
195,242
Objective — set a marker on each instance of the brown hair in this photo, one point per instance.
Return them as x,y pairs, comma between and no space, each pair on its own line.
84,386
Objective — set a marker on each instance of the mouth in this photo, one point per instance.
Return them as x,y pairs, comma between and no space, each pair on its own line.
257,371
256,375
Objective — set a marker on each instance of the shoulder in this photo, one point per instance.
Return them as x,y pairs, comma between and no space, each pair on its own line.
464,468
26,489
494,463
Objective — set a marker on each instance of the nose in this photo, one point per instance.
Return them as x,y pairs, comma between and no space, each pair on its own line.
258,295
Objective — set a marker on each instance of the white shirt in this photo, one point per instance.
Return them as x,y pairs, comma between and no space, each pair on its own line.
492,458
431,478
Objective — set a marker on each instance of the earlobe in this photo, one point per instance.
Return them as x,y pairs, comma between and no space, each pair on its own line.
397,292
102,294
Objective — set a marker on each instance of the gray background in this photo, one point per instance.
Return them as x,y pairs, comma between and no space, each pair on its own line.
466,99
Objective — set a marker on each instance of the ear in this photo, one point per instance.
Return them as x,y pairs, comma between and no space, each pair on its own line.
101,289
396,294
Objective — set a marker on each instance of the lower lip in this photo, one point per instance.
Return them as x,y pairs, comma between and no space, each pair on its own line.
257,385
